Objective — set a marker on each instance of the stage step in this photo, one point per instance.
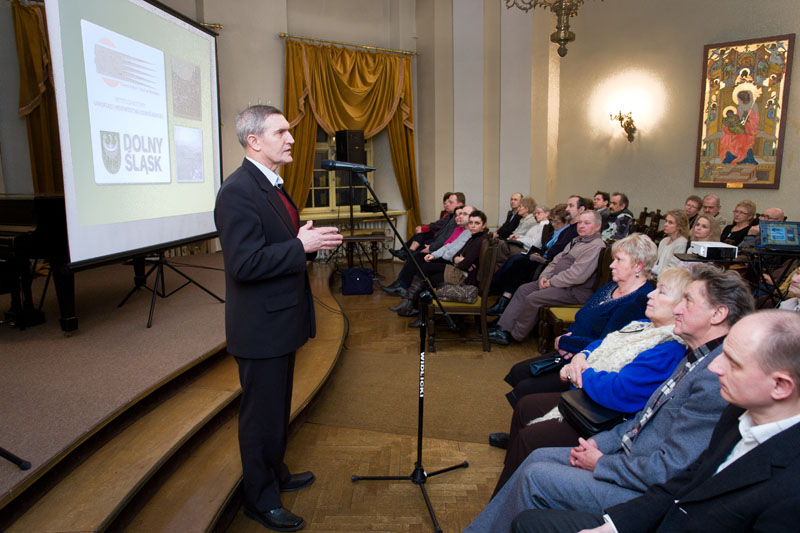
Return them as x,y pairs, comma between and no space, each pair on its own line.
198,490
193,490
94,493
195,494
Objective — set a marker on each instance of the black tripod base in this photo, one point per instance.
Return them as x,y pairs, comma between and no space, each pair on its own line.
21,463
419,477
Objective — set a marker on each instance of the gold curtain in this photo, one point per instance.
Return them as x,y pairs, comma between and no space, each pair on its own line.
343,89
37,101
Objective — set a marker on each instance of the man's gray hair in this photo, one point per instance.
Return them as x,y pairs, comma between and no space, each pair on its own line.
598,218
253,121
725,288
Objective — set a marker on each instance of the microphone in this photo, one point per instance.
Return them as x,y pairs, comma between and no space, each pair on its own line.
329,164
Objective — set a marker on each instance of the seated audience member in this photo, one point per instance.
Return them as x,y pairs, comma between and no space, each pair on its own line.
436,261
466,259
567,280
613,305
661,441
743,215
792,290
619,372
512,244
706,228
513,218
691,207
426,234
523,267
531,237
516,271
753,237
443,236
676,235
712,207
601,200
619,219
748,478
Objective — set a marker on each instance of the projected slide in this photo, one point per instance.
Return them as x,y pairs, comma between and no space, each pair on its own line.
125,85
138,112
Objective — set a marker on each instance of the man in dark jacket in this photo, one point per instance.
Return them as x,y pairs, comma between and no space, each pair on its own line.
617,223
269,309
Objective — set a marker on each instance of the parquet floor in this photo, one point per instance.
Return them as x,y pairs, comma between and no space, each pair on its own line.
364,423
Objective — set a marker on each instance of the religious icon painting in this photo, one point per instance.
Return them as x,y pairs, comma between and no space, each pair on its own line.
744,97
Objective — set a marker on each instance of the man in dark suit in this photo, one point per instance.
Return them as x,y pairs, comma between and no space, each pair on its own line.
269,312
512,218
748,479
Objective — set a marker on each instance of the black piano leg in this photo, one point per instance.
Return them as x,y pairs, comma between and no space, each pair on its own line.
64,280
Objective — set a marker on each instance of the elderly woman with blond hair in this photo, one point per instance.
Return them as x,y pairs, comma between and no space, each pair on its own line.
620,373
611,307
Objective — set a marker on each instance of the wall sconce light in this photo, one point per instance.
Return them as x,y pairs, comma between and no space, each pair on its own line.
626,123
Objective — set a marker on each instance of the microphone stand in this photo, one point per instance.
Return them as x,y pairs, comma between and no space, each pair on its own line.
418,476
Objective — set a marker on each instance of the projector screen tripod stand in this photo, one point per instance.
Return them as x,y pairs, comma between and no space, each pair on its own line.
159,285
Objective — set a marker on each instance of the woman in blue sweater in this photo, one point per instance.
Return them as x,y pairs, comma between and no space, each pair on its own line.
620,372
614,305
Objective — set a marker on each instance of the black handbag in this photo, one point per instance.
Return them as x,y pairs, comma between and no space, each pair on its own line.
356,281
585,415
547,364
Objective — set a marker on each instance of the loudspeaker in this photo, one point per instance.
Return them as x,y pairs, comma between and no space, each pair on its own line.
350,146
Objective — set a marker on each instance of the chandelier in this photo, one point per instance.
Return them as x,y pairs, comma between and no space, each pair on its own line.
564,9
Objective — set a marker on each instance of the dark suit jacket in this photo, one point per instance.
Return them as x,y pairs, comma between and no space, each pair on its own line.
269,309
508,227
757,492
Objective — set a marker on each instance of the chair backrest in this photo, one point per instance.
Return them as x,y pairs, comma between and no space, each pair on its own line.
602,274
642,220
486,269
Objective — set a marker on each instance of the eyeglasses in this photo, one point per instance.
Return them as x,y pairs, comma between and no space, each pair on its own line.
740,212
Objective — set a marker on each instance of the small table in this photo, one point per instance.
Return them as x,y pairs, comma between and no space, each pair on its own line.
360,237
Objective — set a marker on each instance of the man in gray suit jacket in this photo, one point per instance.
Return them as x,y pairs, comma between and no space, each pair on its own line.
269,310
662,439
748,479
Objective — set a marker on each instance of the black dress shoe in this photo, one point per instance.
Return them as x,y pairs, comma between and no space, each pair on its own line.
279,519
415,324
500,336
499,306
499,440
400,254
299,481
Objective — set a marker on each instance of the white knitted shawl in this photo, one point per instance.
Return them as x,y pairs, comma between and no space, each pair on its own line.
620,348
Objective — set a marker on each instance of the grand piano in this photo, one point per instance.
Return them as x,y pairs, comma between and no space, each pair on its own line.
35,228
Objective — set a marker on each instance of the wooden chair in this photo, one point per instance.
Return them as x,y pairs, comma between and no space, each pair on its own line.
488,258
653,230
642,224
554,320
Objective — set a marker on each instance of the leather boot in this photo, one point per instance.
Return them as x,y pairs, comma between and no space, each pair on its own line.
499,306
404,308
410,309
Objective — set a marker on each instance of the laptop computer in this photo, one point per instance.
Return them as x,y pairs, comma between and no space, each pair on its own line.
780,236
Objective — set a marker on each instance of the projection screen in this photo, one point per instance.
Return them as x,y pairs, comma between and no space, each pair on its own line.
138,112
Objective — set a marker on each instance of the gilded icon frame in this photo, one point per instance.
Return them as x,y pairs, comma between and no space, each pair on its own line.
743,108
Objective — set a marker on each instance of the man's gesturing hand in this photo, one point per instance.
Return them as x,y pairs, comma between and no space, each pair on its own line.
324,238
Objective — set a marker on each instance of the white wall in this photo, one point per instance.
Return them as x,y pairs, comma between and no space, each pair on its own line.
468,99
667,39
